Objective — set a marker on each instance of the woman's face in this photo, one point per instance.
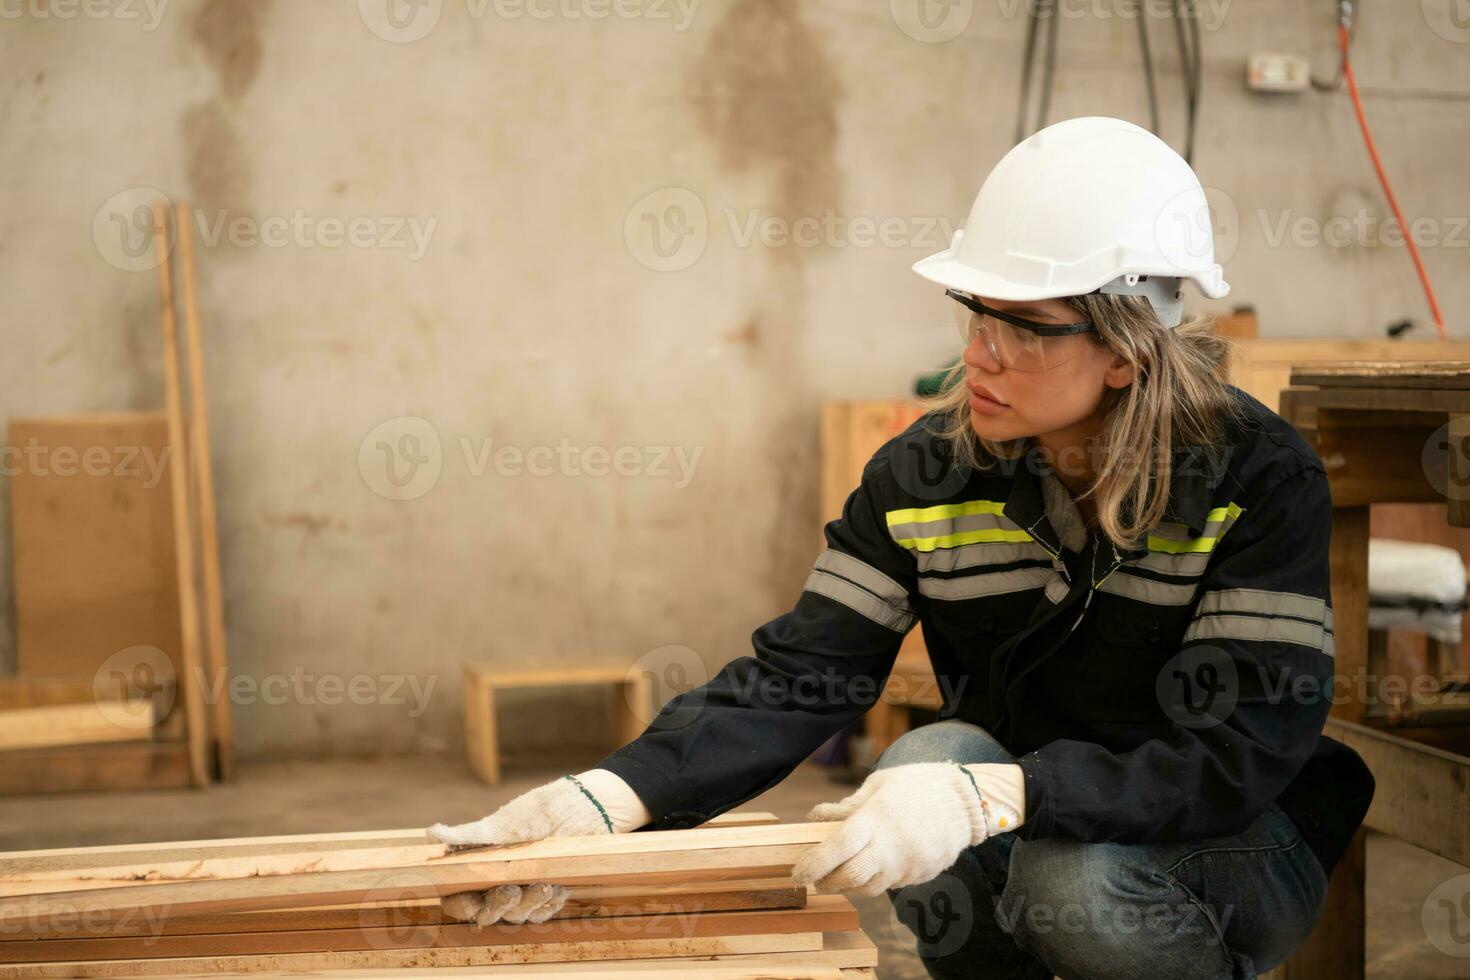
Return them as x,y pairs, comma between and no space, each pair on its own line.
1006,403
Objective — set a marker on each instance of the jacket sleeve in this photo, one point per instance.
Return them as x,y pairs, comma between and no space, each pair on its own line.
814,671
1248,694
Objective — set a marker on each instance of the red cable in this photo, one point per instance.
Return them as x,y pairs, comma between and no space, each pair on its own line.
1352,85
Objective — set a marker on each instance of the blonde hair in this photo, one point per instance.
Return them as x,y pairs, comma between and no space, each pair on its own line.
1180,396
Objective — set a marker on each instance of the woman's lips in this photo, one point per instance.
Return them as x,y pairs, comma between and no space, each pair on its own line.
983,400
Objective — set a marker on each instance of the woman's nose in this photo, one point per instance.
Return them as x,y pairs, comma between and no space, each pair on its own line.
978,356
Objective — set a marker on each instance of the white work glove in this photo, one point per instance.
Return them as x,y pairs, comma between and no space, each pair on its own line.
907,824
595,802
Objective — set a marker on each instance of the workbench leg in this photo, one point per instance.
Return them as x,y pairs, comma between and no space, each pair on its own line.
1336,949
632,707
1349,563
482,745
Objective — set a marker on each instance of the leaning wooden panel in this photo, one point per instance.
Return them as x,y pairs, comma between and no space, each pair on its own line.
93,539
624,949
215,869
825,913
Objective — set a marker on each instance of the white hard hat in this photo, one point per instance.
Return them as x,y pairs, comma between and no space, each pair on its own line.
1084,205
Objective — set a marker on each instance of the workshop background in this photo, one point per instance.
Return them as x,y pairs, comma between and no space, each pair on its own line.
518,316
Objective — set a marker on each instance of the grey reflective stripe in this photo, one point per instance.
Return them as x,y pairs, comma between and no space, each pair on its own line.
863,574
1190,564
1263,603
859,600
986,583
1224,627
1057,589
1147,590
952,525
984,553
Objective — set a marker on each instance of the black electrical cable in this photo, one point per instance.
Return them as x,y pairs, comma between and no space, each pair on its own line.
1026,65
1148,68
1199,84
1188,67
1048,66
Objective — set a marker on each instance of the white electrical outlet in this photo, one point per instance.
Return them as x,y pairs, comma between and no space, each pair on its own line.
1277,73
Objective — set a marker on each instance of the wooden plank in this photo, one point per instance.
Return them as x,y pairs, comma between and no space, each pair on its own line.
1385,399
1337,948
221,730
102,855
1348,558
75,724
1357,457
823,913
680,856
851,952
619,949
93,542
584,901
742,968
114,766
405,856
550,676
40,692
195,722
1385,374
1422,794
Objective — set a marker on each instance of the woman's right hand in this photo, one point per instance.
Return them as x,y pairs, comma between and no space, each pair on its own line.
564,807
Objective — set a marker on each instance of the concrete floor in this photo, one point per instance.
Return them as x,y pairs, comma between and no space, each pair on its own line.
347,795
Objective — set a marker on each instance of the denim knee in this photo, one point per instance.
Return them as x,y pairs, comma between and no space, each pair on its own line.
951,738
1085,909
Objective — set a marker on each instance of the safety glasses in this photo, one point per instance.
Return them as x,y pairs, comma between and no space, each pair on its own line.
1015,342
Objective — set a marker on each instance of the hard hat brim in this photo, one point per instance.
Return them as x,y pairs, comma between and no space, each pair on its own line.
943,268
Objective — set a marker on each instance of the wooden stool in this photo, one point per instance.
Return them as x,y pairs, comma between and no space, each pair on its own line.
631,702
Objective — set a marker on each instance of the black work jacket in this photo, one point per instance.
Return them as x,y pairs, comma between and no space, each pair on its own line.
1170,692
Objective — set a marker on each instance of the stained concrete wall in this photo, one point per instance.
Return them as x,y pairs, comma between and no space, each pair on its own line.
599,197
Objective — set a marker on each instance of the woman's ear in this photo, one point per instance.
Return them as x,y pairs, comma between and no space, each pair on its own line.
1120,373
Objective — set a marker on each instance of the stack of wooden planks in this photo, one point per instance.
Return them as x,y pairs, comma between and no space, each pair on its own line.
713,901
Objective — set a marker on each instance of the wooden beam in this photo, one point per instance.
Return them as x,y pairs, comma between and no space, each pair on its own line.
585,901
107,766
824,913
621,949
188,681
221,731
644,858
74,724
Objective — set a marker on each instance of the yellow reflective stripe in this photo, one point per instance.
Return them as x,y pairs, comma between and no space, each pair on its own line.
917,515
988,534
1205,545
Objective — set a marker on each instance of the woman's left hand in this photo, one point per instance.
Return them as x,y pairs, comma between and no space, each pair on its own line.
905,825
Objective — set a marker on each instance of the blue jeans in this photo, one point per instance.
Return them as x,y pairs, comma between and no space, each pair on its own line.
1224,907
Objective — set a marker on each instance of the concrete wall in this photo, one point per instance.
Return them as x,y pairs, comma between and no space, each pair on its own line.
534,155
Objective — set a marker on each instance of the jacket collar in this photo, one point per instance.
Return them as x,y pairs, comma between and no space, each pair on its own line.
1191,493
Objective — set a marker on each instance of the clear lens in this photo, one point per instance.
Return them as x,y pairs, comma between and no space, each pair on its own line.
1014,347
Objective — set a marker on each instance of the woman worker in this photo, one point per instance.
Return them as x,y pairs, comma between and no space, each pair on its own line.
1119,563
